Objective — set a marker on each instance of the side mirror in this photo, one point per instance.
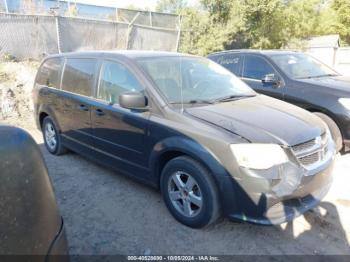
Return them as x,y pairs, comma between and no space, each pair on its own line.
133,100
270,79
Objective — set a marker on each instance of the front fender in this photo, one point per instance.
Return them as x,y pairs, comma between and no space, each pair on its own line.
188,147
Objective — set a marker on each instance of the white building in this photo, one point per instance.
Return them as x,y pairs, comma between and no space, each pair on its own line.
327,49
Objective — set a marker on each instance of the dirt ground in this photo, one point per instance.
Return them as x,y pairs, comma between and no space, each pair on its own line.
107,213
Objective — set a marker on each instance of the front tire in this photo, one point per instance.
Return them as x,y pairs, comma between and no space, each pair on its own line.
189,192
52,138
335,131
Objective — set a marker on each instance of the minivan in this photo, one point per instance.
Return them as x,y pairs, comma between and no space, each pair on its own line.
297,78
189,127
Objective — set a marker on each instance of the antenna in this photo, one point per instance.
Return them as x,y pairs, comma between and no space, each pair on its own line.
181,91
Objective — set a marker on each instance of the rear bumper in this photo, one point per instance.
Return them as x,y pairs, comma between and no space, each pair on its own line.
269,209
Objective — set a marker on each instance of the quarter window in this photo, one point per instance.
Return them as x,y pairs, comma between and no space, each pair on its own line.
115,80
49,73
78,75
256,67
232,62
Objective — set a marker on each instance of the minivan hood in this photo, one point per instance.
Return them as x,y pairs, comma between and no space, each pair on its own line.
341,83
262,119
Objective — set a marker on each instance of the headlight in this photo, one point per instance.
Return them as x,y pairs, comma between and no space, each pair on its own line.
345,102
328,132
259,156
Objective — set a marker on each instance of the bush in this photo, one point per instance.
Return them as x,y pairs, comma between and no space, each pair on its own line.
9,58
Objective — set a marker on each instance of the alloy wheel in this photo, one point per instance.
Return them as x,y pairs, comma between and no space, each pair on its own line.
185,194
50,136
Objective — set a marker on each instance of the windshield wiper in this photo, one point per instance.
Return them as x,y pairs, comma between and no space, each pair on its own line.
317,76
231,98
198,101
222,99
194,101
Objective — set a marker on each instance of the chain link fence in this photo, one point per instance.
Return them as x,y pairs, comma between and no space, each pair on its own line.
35,36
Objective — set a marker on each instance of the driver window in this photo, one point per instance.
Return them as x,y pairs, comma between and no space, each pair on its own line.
116,79
256,67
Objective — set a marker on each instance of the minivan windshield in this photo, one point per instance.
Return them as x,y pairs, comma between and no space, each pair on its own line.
301,66
193,80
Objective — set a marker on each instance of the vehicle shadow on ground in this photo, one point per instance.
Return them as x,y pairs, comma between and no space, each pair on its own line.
107,213
323,224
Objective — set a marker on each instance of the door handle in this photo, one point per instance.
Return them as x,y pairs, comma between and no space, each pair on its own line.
99,112
83,108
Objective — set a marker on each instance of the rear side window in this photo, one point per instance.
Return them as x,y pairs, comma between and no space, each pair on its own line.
115,80
79,75
49,73
232,62
256,67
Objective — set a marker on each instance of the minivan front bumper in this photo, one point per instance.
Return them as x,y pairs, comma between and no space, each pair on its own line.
254,200
270,209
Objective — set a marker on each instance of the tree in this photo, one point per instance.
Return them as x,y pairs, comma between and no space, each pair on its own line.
263,23
219,9
230,24
301,18
342,10
171,6
213,29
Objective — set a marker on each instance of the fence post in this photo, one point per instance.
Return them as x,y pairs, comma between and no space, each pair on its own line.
178,35
58,33
6,6
150,19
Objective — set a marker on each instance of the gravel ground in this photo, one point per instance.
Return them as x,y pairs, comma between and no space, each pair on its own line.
107,213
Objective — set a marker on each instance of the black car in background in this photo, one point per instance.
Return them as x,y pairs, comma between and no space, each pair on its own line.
188,126
30,222
297,78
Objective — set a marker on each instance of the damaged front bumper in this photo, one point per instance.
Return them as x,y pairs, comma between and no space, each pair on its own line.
281,193
270,208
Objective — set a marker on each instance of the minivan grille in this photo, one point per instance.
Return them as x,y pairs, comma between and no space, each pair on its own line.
303,146
309,159
312,151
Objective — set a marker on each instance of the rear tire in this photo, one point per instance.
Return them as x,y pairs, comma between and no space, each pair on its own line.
335,131
52,138
189,192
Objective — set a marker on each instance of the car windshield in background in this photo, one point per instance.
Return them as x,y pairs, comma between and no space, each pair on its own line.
301,66
193,80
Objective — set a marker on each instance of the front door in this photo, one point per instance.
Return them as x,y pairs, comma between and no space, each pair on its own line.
119,133
255,68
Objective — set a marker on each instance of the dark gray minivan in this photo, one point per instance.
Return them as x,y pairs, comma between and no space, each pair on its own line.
188,126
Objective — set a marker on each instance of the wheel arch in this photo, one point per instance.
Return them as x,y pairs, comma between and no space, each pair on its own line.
45,111
173,147
42,116
329,114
